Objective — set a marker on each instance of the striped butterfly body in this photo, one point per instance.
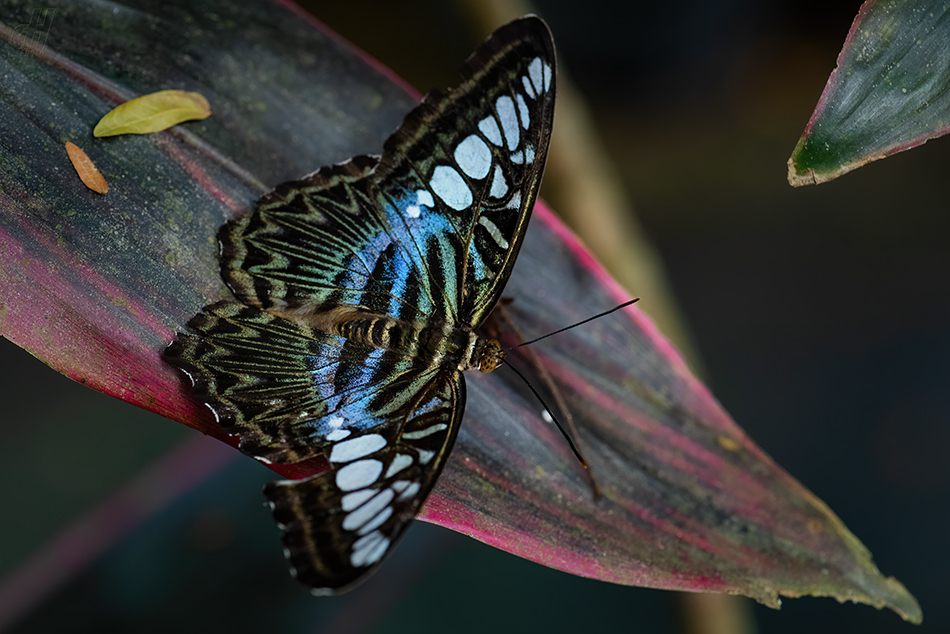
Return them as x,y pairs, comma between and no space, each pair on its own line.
359,290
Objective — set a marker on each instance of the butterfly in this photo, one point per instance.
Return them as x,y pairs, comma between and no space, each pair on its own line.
359,290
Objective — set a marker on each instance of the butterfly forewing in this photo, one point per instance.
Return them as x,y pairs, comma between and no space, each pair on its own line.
458,195
312,244
442,215
361,286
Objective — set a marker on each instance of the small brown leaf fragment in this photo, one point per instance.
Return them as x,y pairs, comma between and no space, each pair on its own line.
153,112
88,173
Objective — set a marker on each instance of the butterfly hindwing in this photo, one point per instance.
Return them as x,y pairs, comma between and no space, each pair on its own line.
291,392
338,525
360,287
386,441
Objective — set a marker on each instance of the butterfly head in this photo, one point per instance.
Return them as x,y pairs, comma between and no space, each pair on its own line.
488,355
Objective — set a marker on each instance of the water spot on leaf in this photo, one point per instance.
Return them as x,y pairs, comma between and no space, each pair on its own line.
153,112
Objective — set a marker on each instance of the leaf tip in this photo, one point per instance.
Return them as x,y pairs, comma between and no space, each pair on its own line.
800,179
904,602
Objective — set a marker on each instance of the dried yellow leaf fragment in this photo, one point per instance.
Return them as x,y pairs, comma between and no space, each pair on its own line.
153,112
88,173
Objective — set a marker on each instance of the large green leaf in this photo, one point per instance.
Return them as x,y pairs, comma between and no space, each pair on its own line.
97,285
890,91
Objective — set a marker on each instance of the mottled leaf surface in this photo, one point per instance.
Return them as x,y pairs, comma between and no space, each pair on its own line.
890,91
96,287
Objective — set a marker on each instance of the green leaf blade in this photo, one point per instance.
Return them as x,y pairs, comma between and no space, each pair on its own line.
890,91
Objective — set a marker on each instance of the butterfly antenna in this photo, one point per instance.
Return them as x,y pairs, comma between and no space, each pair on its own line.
564,433
503,315
597,316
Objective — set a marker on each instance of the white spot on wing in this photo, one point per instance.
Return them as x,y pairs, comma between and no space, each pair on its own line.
370,554
410,491
493,231
336,421
425,456
358,475
369,549
523,111
498,185
214,413
473,156
191,379
369,510
338,434
448,185
428,431
528,153
489,127
400,462
356,448
528,87
423,197
509,120
547,76
367,540
400,485
515,202
352,500
377,521
377,553
517,157
537,74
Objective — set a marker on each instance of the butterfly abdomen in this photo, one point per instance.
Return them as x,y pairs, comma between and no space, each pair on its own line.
376,330
436,343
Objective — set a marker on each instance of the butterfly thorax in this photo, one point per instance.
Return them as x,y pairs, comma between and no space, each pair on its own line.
484,355
433,342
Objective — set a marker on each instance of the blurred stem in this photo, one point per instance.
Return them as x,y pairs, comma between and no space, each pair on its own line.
84,539
716,614
583,185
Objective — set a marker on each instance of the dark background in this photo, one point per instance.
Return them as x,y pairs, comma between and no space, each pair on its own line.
820,315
